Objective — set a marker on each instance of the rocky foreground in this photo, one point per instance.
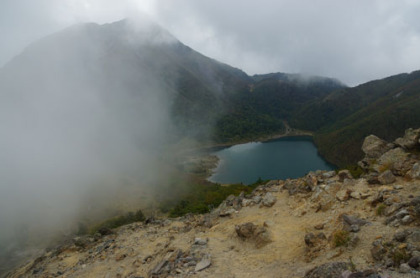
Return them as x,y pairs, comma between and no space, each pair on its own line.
325,224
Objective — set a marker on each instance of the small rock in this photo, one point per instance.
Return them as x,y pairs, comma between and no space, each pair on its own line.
372,178
268,223
227,212
401,213
354,228
200,241
269,200
257,199
346,274
414,262
405,268
353,220
120,257
245,230
203,264
158,268
342,195
253,232
328,175
407,220
386,177
319,226
401,236
378,251
355,195
310,239
344,174
354,240
398,187
328,270
246,202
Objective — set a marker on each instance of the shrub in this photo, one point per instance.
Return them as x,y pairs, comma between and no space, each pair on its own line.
355,170
380,210
203,197
340,238
118,221
398,256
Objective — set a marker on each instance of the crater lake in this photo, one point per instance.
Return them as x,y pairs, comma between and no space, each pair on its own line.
288,157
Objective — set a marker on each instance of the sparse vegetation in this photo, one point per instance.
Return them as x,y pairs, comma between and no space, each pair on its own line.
399,256
380,210
204,197
340,238
355,170
385,166
118,221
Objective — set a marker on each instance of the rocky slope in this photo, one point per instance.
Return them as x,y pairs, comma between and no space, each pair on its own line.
325,224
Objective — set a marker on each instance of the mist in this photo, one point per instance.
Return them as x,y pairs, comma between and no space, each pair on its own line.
83,118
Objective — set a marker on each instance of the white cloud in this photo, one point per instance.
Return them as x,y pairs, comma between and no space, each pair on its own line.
354,41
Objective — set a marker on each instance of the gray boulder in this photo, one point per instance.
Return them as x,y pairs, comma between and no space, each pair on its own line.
269,200
396,160
374,147
386,177
414,173
410,139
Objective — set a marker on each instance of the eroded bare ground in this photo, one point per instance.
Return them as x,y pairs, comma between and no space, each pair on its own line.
138,249
322,225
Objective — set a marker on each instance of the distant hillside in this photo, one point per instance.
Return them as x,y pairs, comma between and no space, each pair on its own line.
124,61
343,118
130,65
270,99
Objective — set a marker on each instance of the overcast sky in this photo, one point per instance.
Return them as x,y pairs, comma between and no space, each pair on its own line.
354,41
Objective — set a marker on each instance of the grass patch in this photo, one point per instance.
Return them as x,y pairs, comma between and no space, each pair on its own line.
340,238
118,221
355,170
398,256
204,197
385,166
380,210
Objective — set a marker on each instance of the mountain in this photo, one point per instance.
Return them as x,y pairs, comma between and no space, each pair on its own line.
130,60
95,113
204,99
343,118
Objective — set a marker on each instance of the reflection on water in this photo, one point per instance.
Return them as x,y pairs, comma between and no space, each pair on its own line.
243,147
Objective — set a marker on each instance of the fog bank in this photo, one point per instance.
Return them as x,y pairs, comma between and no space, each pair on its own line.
81,113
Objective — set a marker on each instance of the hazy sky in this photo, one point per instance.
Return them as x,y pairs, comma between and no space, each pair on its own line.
354,41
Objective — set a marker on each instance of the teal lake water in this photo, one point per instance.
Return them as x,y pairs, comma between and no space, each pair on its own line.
289,157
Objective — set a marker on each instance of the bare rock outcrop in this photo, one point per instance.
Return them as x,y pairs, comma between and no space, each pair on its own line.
410,140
